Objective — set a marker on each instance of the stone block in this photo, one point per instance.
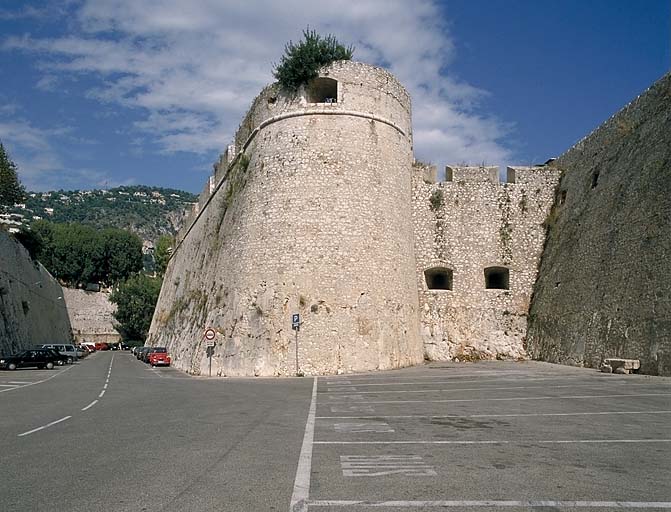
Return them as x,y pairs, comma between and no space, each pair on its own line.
606,368
627,364
621,370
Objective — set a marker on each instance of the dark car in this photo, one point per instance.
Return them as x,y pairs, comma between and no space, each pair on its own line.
38,358
60,358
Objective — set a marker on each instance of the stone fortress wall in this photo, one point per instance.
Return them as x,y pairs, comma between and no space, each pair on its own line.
604,289
32,309
317,208
473,232
91,316
309,213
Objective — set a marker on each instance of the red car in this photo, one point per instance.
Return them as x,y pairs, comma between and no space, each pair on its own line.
101,346
158,356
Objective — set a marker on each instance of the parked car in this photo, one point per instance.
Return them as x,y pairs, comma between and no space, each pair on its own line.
67,350
158,356
60,358
35,358
101,346
143,353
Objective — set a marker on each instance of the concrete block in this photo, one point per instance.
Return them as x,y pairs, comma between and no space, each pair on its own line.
621,370
627,364
605,368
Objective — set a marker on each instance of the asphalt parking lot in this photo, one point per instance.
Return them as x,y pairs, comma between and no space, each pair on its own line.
487,436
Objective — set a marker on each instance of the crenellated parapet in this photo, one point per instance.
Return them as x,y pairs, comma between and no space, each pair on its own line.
478,241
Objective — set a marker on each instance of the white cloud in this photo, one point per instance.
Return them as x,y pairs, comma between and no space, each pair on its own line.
40,165
194,67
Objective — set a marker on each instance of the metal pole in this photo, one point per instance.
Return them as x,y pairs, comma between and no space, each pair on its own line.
209,351
296,351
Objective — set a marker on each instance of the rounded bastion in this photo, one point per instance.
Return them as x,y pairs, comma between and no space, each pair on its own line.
314,217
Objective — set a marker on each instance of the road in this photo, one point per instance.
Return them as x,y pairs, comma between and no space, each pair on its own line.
156,439
111,434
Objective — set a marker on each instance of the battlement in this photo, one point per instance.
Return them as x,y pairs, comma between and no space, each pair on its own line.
463,175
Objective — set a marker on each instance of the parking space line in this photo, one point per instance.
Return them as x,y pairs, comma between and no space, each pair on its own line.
521,441
302,482
90,405
38,381
448,390
495,503
597,380
8,385
44,426
405,416
507,399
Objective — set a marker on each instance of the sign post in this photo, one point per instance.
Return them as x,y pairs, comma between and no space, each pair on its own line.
296,326
209,336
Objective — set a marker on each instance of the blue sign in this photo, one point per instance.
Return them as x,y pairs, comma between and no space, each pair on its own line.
295,321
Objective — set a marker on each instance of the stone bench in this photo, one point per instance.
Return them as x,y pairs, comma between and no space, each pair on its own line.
618,365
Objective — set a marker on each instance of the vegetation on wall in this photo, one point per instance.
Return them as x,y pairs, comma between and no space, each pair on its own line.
164,248
11,190
301,62
136,300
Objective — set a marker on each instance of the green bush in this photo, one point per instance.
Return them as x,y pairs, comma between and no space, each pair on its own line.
301,62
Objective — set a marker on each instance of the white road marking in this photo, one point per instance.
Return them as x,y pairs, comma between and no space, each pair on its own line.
496,503
90,405
383,465
344,391
352,408
18,382
561,397
604,413
378,427
479,381
38,381
44,426
345,397
102,393
338,382
339,389
522,441
302,482
8,385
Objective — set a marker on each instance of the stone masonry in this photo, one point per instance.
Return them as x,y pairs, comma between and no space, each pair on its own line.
91,316
32,309
317,208
311,215
464,226
604,290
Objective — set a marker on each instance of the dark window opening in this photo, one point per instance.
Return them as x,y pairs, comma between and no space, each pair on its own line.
449,173
562,197
323,90
438,278
497,278
595,179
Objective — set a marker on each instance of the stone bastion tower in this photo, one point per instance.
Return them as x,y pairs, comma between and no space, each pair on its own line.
309,212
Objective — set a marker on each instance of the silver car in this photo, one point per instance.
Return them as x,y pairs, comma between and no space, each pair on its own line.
69,351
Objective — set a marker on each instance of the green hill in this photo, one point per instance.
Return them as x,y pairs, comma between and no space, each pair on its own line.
148,212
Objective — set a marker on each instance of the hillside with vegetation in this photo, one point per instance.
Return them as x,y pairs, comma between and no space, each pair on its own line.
149,212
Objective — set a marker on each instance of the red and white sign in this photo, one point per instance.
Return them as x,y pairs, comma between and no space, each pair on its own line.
210,334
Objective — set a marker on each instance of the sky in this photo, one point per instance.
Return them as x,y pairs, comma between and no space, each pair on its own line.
102,93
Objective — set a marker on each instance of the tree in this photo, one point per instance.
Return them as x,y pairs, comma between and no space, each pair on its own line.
136,300
164,248
11,190
80,254
301,62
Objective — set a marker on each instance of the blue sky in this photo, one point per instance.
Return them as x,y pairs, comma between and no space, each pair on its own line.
98,93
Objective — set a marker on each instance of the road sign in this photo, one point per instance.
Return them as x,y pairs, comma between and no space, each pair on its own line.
209,343
210,334
295,321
